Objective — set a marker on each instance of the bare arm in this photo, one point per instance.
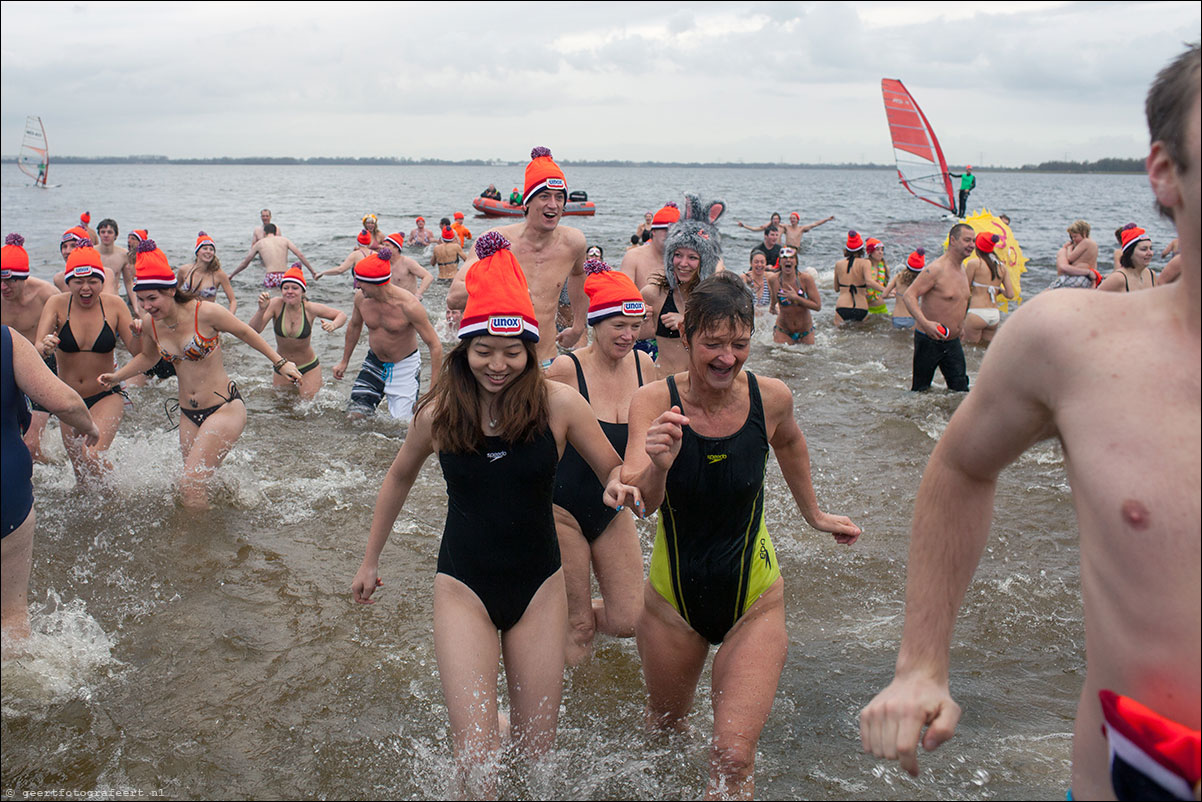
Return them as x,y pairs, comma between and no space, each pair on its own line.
424,277
1005,413
394,490
302,258
653,442
346,265
258,321
773,292
576,294
332,318
127,276
254,249
220,319
912,298
38,382
141,362
421,323
1113,283
815,224
812,299
48,326
585,435
223,281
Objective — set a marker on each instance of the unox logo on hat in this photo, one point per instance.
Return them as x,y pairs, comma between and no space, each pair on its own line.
82,271
556,183
633,308
505,325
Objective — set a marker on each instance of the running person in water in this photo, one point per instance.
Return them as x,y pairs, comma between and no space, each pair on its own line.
81,332
697,451
186,331
204,276
794,297
794,231
499,427
292,318
446,256
592,535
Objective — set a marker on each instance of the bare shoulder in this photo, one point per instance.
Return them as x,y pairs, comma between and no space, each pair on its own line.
571,237
774,392
653,396
562,370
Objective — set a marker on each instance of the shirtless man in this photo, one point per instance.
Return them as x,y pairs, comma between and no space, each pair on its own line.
794,296
113,257
646,260
22,298
260,230
1077,259
794,230
938,301
406,272
421,235
446,256
394,318
273,250
1062,363
550,255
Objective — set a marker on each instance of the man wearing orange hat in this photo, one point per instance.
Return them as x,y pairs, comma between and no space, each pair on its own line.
1113,378
394,318
938,300
461,230
793,232
22,299
273,250
550,255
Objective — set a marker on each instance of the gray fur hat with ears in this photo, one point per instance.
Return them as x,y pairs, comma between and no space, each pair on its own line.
697,229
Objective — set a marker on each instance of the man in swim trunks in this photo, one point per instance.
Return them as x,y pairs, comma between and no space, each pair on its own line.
794,230
22,298
394,318
550,255
794,296
421,235
260,230
1063,363
938,300
273,250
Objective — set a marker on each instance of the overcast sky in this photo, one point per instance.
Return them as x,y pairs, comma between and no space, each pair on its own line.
1004,84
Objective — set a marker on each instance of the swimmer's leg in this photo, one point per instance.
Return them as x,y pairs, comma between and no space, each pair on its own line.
673,655
534,660
575,554
747,670
204,449
973,327
89,461
467,649
618,563
16,562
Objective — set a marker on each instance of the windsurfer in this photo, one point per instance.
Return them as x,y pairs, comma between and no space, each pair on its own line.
968,182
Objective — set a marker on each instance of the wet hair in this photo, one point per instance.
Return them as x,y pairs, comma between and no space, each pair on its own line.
110,223
522,407
858,253
634,239
599,249
774,217
1079,227
990,260
269,228
956,229
720,300
444,222
1170,101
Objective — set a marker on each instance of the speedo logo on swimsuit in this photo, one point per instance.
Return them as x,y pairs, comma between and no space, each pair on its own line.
763,555
714,459
505,325
556,183
633,308
493,456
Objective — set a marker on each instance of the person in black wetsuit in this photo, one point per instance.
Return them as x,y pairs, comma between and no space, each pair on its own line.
592,535
698,450
22,372
80,330
498,426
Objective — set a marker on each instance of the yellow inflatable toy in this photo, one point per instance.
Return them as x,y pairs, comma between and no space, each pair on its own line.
1008,251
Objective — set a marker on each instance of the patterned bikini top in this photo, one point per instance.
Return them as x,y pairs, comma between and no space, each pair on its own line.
194,351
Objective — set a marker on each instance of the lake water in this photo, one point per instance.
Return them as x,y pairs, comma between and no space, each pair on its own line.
219,654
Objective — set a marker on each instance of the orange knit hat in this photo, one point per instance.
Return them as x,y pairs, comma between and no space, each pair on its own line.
375,269
74,233
917,260
448,234
203,239
294,275
397,239
498,298
987,242
14,261
854,241
1132,236
666,216
543,173
151,271
364,238
871,244
85,218
140,234
84,261
458,215
610,293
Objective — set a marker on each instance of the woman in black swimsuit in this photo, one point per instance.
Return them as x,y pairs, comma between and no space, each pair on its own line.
592,536
1133,272
81,330
498,426
185,331
854,275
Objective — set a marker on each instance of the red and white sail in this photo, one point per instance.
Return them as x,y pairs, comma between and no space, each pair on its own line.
920,163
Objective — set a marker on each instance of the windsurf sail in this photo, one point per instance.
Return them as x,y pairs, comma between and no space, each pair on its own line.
34,156
920,163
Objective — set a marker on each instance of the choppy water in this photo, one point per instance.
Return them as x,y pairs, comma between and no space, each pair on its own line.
219,654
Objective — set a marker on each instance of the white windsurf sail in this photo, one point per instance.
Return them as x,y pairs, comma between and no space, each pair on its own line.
34,156
921,167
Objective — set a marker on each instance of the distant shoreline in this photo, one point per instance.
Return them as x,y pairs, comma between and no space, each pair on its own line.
1111,165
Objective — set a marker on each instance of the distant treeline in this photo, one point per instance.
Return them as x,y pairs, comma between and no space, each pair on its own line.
1100,166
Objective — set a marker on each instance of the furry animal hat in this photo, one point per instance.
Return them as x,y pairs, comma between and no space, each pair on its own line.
697,229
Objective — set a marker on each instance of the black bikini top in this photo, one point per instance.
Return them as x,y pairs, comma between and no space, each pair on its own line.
106,341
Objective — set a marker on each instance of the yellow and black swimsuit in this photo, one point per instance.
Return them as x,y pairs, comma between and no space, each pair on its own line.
713,557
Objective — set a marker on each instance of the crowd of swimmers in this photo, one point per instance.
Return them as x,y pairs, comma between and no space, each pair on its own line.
550,453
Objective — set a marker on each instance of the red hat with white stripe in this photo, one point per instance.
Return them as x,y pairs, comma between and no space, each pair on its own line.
14,261
666,216
543,173
140,234
610,293
854,241
151,271
448,234
917,260
397,239
203,239
294,275
375,269
84,261
1133,235
498,298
